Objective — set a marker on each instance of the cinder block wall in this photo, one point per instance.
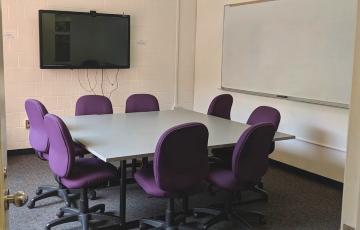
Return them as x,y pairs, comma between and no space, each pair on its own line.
153,59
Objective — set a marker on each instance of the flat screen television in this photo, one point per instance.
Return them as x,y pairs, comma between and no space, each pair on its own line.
79,40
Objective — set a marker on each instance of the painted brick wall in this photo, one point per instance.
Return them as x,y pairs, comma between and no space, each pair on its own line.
187,37
153,42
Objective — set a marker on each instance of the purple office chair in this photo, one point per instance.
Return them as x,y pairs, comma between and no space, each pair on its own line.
220,106
262,114
39,141
249,165
93,104
141,103
259,115
72,173
180,166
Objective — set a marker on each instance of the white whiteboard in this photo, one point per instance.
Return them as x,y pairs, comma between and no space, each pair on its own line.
302,49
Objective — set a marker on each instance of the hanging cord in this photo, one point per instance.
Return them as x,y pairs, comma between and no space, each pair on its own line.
108,79
81,85
87,76
116,82
102,82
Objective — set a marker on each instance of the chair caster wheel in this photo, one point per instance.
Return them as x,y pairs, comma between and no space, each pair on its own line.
38,191
60,214
31,205
67,203
92,195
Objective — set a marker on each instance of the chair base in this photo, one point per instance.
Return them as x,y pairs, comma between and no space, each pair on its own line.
102,220
228,215
66,195
227,212
161,225
172,221
264,196
52,191
86,215
73,211
260,190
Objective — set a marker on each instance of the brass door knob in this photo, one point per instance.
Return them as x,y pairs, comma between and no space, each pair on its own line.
18,199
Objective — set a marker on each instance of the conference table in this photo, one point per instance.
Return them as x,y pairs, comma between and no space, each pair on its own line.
125,136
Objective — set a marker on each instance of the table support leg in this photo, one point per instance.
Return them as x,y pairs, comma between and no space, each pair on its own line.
123,194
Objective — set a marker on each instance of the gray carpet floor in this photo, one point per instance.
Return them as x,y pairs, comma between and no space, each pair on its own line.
296,201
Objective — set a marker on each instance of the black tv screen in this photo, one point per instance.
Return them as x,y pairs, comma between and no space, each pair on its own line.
77,40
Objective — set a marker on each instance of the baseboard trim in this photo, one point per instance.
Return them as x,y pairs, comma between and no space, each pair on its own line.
19,152
313,176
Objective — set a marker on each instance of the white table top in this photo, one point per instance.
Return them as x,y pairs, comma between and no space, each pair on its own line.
126,136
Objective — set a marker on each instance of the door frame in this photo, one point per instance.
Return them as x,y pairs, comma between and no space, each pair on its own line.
3,153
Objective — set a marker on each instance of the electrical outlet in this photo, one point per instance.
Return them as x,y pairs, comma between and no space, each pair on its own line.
347,227
27,124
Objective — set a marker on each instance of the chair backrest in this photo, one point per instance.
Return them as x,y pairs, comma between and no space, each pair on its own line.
141,103
61,152
220,106
250,158
38,137
181,157
265,114
93,104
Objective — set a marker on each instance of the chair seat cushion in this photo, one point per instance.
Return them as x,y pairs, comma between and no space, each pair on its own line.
145,178
89,172
224,179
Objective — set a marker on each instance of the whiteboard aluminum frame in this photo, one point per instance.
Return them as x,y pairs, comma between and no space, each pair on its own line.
283,97
289,98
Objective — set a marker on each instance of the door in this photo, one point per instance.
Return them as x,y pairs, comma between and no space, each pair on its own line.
19,198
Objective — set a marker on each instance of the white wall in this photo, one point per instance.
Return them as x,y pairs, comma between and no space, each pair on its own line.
153,58
321,131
